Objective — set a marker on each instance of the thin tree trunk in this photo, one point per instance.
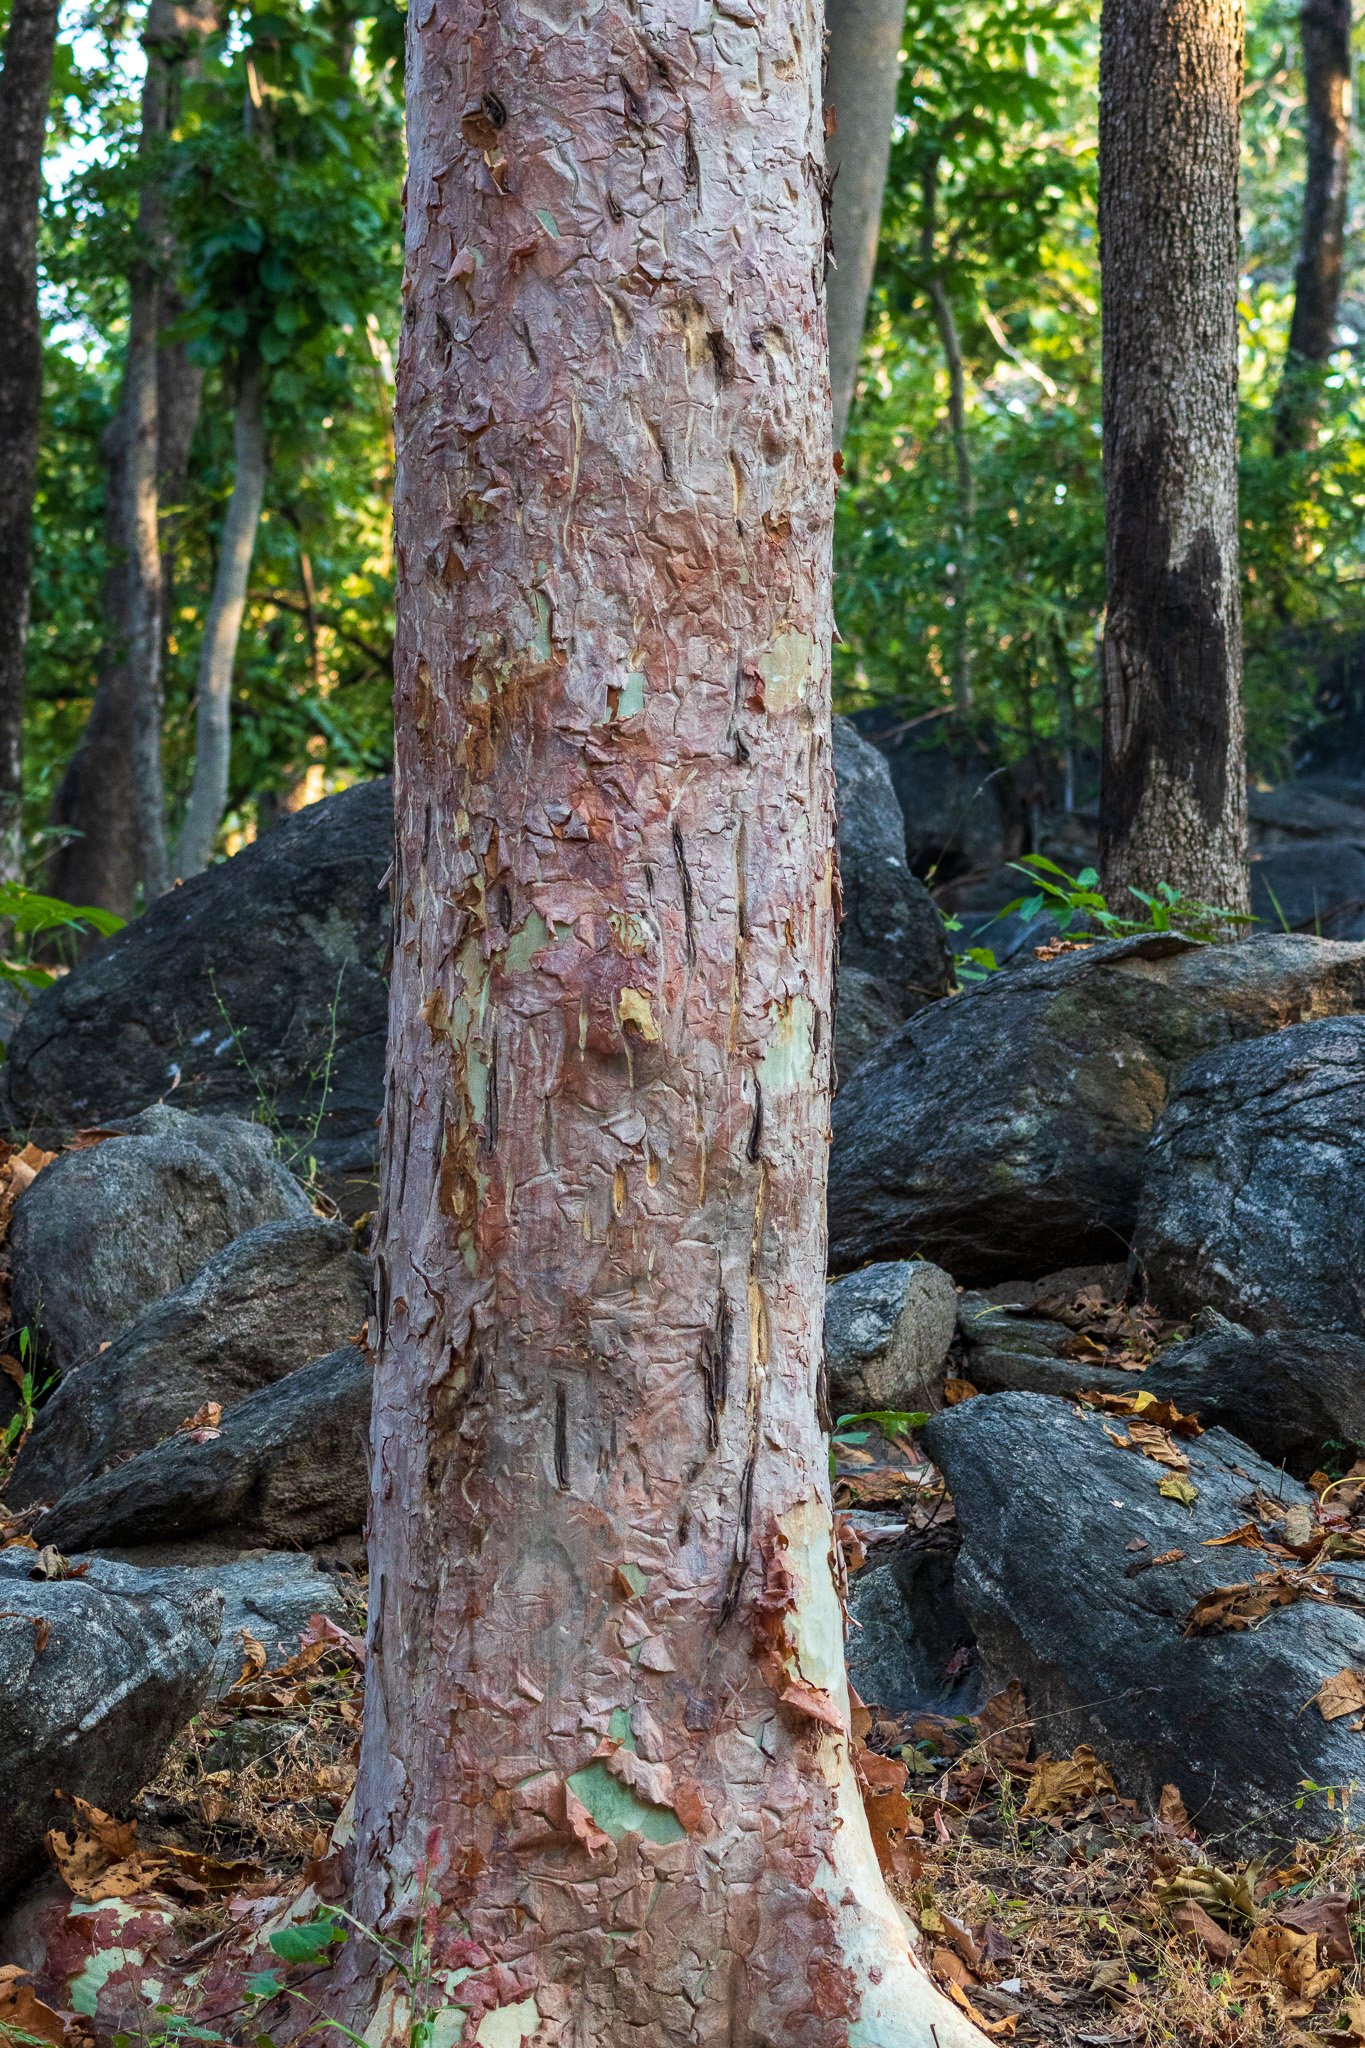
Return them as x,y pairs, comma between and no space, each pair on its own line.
1325,28
25,86
951,342
96,803
1173,805
112,797
861,77
606,1747
222,629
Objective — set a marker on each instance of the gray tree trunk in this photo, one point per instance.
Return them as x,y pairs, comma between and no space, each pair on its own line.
99,861
25,85
1173,804
222,629
862,72
1325,31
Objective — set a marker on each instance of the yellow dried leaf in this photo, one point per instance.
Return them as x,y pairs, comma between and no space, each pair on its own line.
1178,1487
636,1010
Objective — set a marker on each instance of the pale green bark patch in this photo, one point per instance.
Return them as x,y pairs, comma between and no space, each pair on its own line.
619,1811
785,666
789,1061
507,2026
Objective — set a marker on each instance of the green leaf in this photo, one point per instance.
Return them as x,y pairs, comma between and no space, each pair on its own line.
309,1942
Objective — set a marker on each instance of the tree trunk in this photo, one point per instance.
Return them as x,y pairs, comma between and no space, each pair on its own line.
1173,804
96,803
112,797
606,1752
862,73
951,343
222,629
1325,27
25,84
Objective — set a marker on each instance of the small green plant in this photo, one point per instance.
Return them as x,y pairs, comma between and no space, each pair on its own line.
1077,903
31,1392
297,1153
29,915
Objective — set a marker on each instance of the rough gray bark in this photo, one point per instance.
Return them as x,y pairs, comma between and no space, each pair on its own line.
1325,30
222,629
25,84
862,70
1173,804
606,1740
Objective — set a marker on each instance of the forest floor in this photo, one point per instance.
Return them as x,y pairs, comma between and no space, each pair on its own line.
1053,1909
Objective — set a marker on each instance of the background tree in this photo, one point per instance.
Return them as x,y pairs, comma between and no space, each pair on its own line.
1325,29
1173,793
25,84
862,72
606,1747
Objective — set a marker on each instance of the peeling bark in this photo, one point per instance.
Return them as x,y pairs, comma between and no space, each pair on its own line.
606,1748
1173,795
861,76
25,84
222,630
1325,31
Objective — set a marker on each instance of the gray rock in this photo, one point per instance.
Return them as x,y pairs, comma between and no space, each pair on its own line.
271,1594
1316,886
1290,1394
908,1640
865,1013
102,1233
287,1469
1295,812
275,1298
953,820
1047,1506
1004,1132
1251,1200
258,977
95,1683
891,929
887,1332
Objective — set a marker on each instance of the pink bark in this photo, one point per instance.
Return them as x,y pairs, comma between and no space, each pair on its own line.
606,1707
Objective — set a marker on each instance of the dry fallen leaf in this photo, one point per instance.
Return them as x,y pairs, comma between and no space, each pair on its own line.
23,2015
1202,1931
1344,1694
1172,1811
1329,1917
1178,1487
957,1391
1281,1956
1001,2029
100,1858
1063,1782
1243,1605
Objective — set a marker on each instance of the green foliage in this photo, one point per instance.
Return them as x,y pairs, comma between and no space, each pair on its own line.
308,1942
27,915
1076,902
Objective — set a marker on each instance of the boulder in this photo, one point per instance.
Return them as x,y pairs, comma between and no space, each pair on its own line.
1295,812
256,987
287,1468
104,1232
275,1298
1291,1394
1078,1577
1251,1198
270,1594
887,1332
1316,886
1003,1133
95,1683
909,1646
891,932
